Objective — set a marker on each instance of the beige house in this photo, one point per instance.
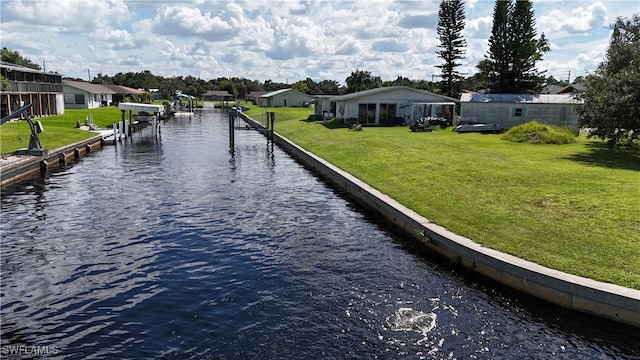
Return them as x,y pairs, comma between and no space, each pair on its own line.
285,98
392,105
217,95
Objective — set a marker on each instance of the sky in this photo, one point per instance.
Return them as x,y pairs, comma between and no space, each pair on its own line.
285,41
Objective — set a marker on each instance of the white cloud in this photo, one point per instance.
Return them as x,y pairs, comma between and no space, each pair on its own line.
279,40
66,16
186,21
576,20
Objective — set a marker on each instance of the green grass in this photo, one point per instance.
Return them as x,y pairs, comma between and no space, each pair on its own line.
59,130
534,132
571,207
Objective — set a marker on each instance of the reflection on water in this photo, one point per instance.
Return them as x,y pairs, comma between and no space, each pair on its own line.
175,248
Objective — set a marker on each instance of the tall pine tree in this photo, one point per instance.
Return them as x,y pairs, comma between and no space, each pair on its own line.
499,53
526,49
450,26
514,49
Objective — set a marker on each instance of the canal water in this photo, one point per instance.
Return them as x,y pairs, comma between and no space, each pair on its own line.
174,248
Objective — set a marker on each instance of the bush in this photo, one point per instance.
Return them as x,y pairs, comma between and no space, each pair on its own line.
534,132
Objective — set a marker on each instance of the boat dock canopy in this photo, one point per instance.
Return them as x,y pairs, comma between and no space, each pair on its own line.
150,108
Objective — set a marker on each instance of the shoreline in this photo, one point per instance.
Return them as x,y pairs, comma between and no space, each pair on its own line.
605,300
573,292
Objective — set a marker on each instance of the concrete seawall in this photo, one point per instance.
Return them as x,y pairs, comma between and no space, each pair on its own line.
573,292
14,168
22,167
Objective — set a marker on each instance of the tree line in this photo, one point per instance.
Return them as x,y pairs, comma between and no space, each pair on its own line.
611,95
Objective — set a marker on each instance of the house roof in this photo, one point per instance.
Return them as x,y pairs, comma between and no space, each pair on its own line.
551,89
382,90
88,87
217,93
281,91
520,98
14,67
577,87
119,89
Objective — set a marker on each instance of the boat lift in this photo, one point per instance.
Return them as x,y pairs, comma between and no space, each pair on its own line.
180,108
35,148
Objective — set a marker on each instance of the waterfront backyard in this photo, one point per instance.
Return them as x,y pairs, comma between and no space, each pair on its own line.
570,207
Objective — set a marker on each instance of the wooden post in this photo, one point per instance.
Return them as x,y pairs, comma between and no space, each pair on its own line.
272,119
43,168
232,118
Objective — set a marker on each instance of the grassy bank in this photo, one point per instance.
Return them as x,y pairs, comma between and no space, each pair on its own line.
59,130
571,207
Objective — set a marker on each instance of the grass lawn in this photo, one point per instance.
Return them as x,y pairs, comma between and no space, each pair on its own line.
573,207
59,130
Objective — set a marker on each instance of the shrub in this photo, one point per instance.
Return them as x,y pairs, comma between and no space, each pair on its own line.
534,132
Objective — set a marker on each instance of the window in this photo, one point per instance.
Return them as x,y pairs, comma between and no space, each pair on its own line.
517,112
72,99
366,113
387,113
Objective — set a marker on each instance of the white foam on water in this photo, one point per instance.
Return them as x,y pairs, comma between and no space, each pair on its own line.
408,319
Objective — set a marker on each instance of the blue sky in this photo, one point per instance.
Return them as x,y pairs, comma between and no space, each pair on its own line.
284,41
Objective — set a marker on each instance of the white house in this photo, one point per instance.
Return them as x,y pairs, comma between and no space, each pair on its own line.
84,95
509,110
285,98
388,105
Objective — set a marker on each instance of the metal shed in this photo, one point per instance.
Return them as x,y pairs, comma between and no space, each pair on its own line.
509,110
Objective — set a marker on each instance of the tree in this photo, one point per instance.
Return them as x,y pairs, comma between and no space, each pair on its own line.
229,86
328,87
300,85
612,92
499,55
450,26
526,49
399,81
514,49
14,57
362,80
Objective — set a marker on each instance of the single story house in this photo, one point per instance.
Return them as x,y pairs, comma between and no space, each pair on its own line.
30,86
509,110
254,96
573,88
84,95
217,95
285,98
388,105
324,107
121,92
156,94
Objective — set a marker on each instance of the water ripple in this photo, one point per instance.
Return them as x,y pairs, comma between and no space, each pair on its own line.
175,249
